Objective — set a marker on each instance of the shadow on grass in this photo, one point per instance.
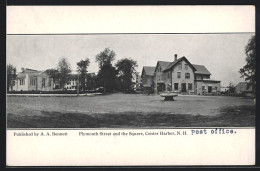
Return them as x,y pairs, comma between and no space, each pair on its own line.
242,116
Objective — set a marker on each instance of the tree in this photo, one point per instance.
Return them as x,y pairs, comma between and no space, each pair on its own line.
126,72
54,73
91,81
64,70
11,76
105,57
249,70
107,73
82,70
107,77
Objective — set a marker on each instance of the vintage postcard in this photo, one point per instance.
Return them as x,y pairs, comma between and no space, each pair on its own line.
130,85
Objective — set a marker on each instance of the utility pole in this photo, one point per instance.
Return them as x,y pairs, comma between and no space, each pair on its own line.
78,86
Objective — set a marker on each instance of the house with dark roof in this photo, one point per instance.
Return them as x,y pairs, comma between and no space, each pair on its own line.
182,76
243,89
160,78
29,80
147,76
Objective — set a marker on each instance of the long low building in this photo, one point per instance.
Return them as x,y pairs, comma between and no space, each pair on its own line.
33,80
179,76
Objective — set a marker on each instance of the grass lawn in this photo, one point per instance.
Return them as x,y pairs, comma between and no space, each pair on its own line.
129,111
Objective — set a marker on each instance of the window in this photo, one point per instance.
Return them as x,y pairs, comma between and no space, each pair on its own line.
186,66
203,87
32,81
43,82
178,75
180,66
21,81
176,86
187,75
190,86
49,82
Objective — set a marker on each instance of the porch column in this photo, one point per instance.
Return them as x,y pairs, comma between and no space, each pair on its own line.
26,82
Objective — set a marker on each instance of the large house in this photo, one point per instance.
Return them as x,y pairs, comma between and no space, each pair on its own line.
181,76
33,80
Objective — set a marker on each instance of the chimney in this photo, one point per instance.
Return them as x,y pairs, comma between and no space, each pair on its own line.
175,57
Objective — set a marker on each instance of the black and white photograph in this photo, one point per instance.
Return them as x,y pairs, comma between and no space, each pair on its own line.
130,85
131,80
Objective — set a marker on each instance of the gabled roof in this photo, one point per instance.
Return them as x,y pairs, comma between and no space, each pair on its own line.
148,70
163,64
172,64
201,69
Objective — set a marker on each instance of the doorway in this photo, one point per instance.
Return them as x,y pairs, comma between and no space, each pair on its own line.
183,87
209,89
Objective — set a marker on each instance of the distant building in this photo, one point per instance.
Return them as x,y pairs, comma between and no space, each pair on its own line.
72,81
182,76
137,81
33,80
224,89
138,78
241,89
147,77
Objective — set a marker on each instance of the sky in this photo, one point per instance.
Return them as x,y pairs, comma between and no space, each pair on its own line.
222,54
